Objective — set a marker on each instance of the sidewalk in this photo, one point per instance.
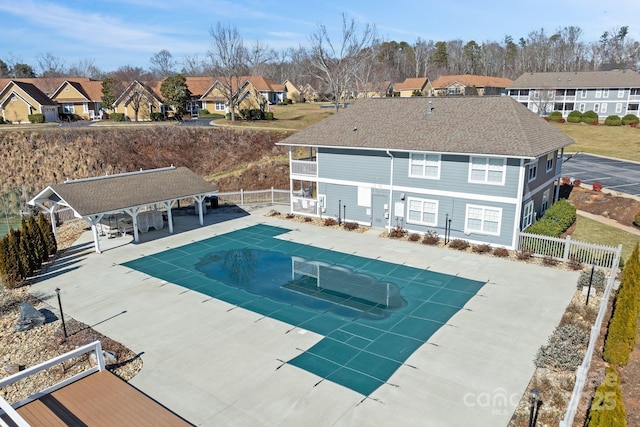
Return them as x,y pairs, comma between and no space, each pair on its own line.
610,222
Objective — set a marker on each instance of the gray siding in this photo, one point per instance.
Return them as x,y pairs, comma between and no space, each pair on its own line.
354,165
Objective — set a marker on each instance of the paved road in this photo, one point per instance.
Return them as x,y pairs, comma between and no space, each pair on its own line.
614,174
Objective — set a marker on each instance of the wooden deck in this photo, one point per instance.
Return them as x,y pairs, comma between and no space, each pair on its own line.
100,399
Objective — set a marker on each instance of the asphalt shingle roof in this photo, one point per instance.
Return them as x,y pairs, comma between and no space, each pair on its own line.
577,80
117,192
491,125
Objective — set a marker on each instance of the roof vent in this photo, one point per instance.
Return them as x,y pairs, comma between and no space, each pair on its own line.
430,107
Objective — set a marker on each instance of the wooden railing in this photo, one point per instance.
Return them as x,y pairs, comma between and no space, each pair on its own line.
5,408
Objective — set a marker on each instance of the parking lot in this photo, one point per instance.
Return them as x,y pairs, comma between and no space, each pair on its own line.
614,174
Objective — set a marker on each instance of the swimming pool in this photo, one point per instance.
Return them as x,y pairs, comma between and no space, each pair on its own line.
373,314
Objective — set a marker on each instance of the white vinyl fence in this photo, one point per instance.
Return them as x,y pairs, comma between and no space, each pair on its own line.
568,249
257,197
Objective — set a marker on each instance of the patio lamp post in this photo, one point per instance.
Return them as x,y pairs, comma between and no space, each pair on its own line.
64,326
533,410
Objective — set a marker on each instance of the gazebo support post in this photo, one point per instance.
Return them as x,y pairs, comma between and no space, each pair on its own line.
95,220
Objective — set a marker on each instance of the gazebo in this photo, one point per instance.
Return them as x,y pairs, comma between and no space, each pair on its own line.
131,193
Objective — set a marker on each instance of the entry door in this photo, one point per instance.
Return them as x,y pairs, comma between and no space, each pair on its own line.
379,217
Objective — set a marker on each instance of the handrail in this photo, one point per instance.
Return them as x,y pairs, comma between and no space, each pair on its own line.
6,408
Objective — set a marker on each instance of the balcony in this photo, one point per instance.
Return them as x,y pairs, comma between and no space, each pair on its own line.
304,168
304,206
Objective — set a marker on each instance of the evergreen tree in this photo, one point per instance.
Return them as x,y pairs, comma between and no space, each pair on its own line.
15,258
47,234
26,251
37,240
108,98
176,93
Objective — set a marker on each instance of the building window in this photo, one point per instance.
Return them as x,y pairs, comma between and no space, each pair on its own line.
527,214
219,106
582,107
620,93
603,107
487,170
550,158
571,92
545,201
618,107
596,107
483,219
605,93
423,212
598,93
632,107
533,171
424,166
583,93
67,108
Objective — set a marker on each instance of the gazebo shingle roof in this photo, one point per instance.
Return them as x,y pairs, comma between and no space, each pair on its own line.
112,193
490,125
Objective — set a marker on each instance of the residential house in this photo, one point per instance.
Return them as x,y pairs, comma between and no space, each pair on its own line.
374,90
139,101
79,98
309,93
473,168
19,99
260,92
410,86
293,91
468,84
607,93
253,92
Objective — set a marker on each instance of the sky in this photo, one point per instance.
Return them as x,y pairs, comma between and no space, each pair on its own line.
114,33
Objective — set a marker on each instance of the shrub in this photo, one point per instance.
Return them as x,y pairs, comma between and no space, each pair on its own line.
117,117
203,112
613,120
599,279
481,249
590,117
459,244
501,252
252,114
157,116
565,348
549,260
268,115
554,116
574,263
414,237
560,120
629,119
290,216
307,219
432,238
329,222
523,254
574,117
397,232
607,406
545,227
36,118
555,220
351,225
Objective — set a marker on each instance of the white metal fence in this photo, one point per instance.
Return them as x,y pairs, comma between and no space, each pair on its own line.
583,369
568,249
257,197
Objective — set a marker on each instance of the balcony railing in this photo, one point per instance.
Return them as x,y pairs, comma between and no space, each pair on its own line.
304,205
304,167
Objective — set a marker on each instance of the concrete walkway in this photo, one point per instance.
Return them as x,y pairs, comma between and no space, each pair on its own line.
216,364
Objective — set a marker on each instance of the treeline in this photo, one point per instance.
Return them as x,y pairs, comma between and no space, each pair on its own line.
562,49
22,252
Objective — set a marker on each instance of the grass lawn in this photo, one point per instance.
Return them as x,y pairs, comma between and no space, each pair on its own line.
588,230
292,117
622,142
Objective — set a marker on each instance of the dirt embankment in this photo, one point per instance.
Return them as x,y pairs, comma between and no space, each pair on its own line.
245,159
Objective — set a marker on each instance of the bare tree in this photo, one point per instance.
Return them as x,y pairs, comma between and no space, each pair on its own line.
50,65
229,59
193,66
162,64
259,58
85,68
336,65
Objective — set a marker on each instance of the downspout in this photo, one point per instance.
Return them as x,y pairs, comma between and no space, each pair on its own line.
558,174
390,192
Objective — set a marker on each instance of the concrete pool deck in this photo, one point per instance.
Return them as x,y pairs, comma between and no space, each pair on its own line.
217,364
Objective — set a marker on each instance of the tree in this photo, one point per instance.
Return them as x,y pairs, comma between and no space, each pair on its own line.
193,66
336,65
439,57
4,69
85,68
162,64
472,53
21,71
176,93
108,98
229,59
47,234
50,65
